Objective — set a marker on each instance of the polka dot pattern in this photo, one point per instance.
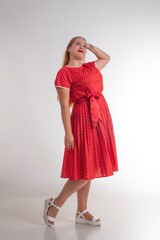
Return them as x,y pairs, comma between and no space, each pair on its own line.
94,154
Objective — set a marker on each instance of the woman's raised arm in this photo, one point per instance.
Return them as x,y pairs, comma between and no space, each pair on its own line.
103,58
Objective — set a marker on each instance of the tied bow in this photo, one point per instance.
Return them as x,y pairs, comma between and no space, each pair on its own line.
94,107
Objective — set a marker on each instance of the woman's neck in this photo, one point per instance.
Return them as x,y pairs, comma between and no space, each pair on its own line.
75,63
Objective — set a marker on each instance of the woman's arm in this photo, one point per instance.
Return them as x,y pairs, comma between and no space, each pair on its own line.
103,58
63,95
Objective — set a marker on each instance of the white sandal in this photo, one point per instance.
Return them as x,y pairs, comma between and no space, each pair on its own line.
47,204
82,220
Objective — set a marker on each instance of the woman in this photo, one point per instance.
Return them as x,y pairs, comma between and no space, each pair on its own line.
90,150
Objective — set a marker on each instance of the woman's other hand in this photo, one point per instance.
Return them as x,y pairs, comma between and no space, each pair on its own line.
69,141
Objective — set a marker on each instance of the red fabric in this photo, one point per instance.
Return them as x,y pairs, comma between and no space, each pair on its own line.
94,154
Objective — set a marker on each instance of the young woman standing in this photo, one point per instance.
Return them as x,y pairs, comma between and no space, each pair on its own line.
90,149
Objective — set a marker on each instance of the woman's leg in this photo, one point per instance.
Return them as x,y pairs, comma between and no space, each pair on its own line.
82,198
70,187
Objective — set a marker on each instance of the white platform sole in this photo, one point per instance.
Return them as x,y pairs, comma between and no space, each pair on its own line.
87,222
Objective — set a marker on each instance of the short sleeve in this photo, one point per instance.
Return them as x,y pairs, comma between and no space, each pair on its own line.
90,65
62,79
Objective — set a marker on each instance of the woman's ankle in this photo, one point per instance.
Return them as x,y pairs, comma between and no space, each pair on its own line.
58,202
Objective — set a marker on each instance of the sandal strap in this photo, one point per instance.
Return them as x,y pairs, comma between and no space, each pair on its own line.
94,219
49,218
51,203
81,214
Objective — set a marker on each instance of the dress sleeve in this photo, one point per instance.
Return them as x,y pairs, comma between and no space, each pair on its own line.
62,79
90,64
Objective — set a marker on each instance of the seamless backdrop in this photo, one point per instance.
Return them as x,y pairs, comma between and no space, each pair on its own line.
33,37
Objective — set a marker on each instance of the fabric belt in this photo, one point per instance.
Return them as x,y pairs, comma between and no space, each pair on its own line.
94,106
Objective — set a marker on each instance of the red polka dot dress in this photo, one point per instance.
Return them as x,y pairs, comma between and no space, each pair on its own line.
94,154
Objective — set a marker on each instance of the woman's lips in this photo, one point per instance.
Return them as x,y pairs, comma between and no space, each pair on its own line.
80,51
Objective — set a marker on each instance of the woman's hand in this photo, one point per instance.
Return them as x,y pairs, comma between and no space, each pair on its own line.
88,45
69,141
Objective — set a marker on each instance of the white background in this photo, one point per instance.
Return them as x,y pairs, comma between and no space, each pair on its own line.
33,37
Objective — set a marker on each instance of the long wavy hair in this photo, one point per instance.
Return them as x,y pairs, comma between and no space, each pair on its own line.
66,56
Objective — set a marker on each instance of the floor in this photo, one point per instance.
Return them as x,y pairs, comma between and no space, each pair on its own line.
123,218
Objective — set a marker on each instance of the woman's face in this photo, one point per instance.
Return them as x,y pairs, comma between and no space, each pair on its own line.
78,48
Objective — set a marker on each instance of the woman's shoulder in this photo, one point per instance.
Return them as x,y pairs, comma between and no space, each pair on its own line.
91,66
62,69
66,70
87,64
62,72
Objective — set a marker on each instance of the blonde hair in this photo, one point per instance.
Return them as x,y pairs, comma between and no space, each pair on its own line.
66,56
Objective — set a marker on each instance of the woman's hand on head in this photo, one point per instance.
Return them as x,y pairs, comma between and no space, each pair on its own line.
69,141
88,45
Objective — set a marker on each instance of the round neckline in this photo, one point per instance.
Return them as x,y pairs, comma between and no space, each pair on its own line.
73,67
